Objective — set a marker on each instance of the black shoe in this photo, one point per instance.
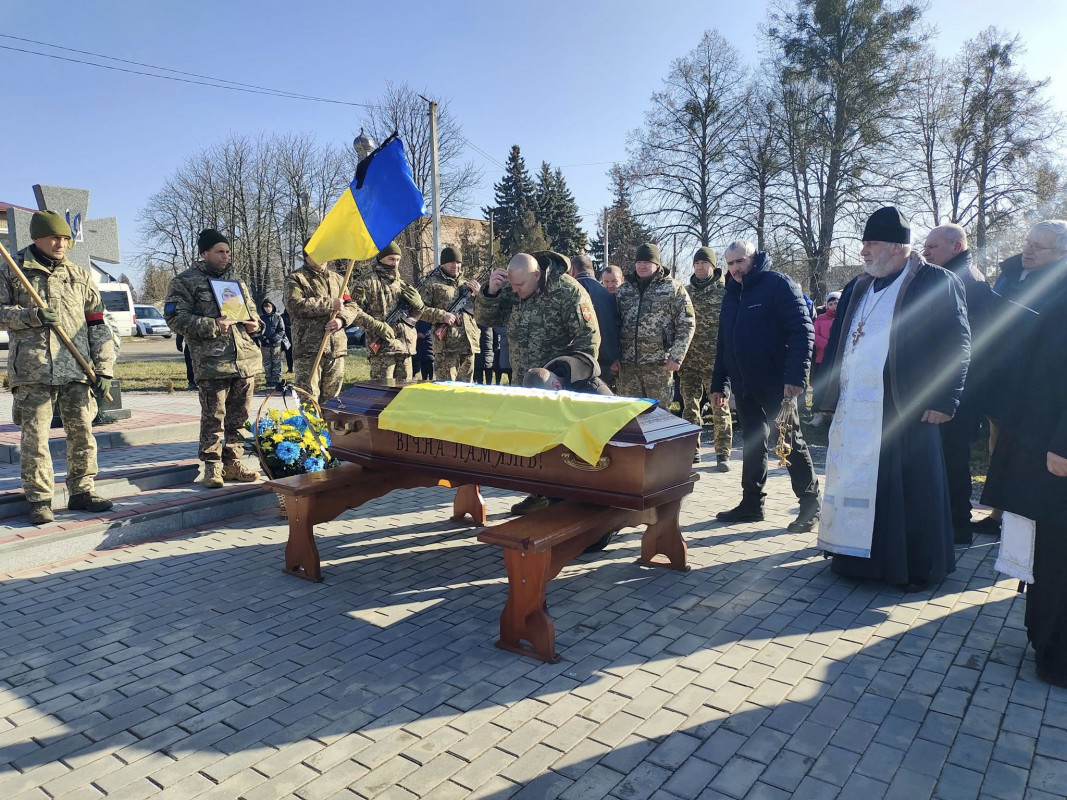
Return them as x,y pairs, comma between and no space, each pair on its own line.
986,525
722,465
915,586
88,501
742,513
535,502
806,519
1050,676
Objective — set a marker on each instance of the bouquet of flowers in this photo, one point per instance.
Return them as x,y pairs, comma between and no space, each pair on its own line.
292,441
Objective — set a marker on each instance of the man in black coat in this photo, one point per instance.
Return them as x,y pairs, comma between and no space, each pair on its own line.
946,246
896,364
762,355
1028,472
606,309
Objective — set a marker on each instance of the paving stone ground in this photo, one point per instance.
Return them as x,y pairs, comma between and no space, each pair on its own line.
194,668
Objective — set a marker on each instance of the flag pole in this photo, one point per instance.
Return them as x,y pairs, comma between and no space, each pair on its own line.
333,316
87,368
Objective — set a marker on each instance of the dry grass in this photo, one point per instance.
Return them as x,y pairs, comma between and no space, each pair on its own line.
166,376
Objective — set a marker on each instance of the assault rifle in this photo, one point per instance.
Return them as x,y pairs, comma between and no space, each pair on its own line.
463,304
400,314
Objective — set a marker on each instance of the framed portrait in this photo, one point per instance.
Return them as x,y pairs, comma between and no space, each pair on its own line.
231,300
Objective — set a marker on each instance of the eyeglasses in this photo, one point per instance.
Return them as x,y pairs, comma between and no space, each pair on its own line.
737,261
1035,246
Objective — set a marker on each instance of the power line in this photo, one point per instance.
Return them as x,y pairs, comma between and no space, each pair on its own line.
214,83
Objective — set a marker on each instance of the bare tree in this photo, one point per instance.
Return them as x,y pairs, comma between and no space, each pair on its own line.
681,160
405,111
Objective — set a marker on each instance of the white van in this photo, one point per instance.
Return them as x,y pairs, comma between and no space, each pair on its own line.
118,301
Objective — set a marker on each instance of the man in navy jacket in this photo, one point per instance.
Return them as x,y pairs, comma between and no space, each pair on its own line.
762,355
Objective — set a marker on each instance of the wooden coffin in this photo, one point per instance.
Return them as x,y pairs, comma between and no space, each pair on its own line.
645,464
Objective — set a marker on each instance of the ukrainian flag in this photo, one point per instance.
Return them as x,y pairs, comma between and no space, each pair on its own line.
380,202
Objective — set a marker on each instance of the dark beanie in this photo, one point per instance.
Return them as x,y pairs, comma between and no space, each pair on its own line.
391,249
648,252
704,254
449,254
209,238
48,223
582,264
887,225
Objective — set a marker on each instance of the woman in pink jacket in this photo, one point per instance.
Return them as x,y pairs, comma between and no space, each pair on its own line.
823,323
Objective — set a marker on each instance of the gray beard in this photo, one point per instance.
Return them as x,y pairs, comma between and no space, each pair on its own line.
881,267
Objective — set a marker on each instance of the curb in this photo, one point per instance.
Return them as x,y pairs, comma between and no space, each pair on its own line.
109,440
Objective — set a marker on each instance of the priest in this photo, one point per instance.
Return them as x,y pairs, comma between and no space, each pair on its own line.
897,360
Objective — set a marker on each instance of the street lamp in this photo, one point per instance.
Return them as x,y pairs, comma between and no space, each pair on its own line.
363,144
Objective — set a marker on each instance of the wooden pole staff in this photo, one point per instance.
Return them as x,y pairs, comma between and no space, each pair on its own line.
333,316
87,368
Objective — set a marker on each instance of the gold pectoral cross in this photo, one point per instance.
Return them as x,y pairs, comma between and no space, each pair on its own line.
857,335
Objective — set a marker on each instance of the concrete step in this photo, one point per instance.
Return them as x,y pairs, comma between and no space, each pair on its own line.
178,431
138,515
118,483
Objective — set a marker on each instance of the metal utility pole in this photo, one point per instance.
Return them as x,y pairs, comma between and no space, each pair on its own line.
435,184
491,264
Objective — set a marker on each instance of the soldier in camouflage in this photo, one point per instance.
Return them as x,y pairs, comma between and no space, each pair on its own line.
42,371
706,289
225,359
319,305
456,340
546,314
657,327
379,293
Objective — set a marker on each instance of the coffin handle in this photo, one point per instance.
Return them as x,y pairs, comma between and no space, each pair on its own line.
572,460
346,426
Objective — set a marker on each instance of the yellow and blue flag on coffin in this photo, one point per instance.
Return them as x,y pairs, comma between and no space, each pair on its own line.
380,202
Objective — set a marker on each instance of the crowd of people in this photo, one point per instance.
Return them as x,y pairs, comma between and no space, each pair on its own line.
905,362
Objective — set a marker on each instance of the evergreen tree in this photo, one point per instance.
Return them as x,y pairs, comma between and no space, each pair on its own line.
558,212
625,232
529,236
514,196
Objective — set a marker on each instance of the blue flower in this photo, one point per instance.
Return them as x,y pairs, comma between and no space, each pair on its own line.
264,426
287,452
326,440
299,423
314,464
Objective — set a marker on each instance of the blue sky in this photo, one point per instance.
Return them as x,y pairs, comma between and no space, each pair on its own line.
564,80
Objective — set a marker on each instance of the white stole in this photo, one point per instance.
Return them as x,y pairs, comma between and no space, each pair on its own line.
1016,556
847,524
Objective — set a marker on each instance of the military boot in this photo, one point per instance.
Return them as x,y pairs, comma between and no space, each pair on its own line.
41,512
213,474
236,471
88,501
534,502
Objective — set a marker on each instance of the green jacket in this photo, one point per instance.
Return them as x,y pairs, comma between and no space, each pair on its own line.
309,294
191,310
439,291
555,320
378,294
706,297
657,322
37,354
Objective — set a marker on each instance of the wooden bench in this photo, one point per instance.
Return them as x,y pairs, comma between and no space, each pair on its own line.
537,546
318,497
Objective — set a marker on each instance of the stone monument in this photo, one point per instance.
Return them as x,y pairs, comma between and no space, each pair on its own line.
94,240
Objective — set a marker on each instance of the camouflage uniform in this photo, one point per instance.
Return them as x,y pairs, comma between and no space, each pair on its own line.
657,324
557,319
695,375
225,365
42,371
454,354
378,293
309,294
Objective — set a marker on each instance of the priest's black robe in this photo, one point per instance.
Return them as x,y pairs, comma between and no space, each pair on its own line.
926,366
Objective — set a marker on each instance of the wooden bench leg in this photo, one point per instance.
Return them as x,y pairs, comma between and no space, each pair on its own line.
525,615
301,554
664,538
469,501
